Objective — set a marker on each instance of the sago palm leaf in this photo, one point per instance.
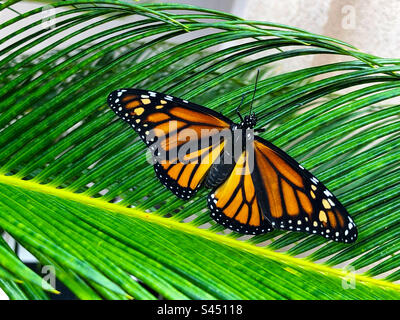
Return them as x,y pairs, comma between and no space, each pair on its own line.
77,192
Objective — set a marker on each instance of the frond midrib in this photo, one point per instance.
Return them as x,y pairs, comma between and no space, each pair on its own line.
190,229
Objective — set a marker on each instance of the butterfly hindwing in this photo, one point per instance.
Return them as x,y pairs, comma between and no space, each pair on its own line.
291,198
166,124
184,179
234,204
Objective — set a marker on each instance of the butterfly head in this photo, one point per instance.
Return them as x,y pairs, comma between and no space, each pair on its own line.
249,122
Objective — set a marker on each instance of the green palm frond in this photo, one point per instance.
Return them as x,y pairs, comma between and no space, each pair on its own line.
77,192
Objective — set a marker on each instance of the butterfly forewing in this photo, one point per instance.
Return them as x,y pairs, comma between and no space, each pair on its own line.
180,135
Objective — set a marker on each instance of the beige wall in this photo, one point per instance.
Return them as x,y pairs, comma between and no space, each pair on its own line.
373,26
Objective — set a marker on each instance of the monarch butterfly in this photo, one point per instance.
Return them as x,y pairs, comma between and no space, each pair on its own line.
257,190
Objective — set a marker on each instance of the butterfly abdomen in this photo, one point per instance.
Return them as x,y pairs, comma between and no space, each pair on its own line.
222,169
218,174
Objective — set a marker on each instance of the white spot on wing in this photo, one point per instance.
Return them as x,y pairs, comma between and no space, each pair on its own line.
315,180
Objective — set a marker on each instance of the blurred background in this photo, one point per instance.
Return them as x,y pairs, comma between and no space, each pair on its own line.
372,26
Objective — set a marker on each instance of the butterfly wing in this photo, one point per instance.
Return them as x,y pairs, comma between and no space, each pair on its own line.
234,203
183,137
291,198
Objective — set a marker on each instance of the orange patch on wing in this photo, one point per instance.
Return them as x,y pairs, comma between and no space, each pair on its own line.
157,117
243,214
189,134
185,176
167,127
133,104
234,205
195,154
339,217
194,116
172,141
271,184
177,139
129,97
332,219
222,197
280,164
248,182
223,193
305,203
255,215
290,199
175,170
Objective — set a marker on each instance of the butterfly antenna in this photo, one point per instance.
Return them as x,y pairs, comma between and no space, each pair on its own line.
237,109
255,89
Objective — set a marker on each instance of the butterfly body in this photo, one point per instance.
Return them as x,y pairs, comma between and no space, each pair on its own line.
256,187
218,174
221,170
